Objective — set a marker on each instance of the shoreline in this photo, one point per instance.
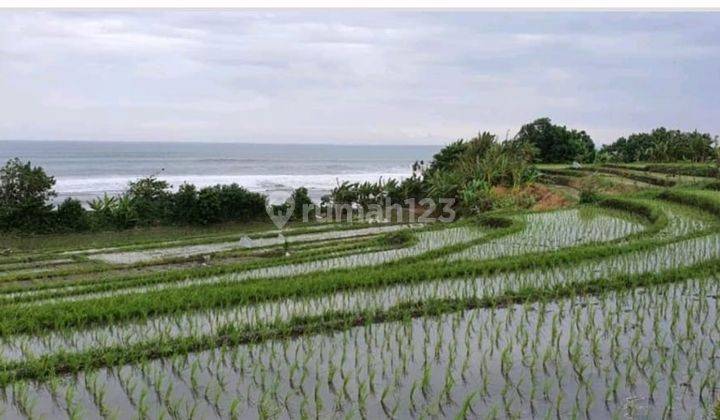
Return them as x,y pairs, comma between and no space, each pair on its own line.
276,187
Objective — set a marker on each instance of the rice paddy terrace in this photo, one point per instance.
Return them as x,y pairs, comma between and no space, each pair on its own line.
597,310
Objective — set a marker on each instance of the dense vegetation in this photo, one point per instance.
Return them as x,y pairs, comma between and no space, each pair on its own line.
467,172
661,145
25,192
557,144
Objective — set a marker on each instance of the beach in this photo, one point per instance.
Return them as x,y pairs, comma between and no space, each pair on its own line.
85,170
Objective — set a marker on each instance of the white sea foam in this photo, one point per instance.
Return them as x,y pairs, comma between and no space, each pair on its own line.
277,187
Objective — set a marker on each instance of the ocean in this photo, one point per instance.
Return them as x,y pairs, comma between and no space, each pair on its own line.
85,170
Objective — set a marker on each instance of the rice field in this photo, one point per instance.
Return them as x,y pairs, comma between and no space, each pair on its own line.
606,310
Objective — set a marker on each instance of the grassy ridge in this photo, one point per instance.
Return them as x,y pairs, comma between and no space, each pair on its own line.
688,169
45,367
54,316
91,285
635,176
307,251
510,225
705,200
80,246
99,285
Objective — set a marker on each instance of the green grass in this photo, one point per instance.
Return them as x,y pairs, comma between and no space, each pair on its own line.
112,280
137,236
633,175
44,247
271,255
704,170
55,316
66,316
45,367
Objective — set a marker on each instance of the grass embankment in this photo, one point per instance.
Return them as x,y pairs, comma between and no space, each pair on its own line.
79,251
708,201
45,367
92,286
55,316
579,179
248,259
675,169
138,236
58,316
384,242
632,175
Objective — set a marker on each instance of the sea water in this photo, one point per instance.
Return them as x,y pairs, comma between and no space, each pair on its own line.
85,170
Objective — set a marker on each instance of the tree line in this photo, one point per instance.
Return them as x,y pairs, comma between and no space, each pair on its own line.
478,172
474,172
559,144
662,145
26,192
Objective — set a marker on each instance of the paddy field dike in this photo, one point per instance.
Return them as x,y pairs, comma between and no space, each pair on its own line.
607,309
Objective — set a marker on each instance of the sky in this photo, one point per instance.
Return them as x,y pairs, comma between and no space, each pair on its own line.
352,77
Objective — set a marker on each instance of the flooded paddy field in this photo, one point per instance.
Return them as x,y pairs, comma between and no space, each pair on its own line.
586,312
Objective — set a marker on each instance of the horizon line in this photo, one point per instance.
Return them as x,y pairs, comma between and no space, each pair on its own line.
280,143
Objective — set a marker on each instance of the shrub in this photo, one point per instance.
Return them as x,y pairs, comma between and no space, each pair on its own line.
685,169
185,205
237,203
661,145
300,198
101,216
589,189
447,157
411,188
396,239
219,203
72,216
124,215
444,184
209,209
149,199
472,171
24,194
476,196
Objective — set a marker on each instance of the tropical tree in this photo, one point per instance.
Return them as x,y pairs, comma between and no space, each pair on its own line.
446,158
300,199
661,145
25,192
71,216
149,198
557,144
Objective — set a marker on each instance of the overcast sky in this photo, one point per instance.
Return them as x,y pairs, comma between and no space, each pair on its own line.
352,77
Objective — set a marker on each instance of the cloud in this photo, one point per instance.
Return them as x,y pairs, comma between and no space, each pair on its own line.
360,76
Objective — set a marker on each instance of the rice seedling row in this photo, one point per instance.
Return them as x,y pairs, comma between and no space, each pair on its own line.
592,320
238,258
131,257
643,352
669,257
114,309
542,229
